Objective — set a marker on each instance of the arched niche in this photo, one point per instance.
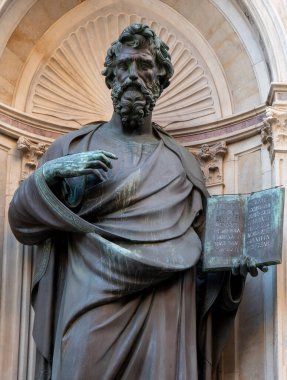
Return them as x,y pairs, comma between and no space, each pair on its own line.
61,79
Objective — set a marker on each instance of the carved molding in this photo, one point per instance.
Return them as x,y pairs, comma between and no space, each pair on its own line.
14,123
32,152
211,162
274,130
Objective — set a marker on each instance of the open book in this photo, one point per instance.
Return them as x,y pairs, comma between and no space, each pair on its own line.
244,225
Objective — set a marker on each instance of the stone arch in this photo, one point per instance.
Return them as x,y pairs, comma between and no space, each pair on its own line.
63,68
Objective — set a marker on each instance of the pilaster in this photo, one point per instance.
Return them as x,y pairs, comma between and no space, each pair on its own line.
274,135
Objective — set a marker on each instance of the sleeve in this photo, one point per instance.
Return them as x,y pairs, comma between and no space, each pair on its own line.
36,213
231,292
219,295
27,211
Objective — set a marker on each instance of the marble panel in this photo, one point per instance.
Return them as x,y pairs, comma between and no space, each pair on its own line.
6,91
10,65
251,350
249,172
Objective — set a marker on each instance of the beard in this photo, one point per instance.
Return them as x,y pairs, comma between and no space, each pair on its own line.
134,101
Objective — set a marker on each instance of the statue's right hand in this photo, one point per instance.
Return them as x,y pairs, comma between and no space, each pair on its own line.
78,164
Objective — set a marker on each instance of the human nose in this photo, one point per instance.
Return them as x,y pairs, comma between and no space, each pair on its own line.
133,74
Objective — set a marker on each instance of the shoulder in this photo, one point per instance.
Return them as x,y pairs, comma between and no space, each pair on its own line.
188,160
185,154
61,144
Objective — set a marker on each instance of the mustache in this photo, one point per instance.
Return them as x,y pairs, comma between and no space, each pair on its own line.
133,103
134,99
137,85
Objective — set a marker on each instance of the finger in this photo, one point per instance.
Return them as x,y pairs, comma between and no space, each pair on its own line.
235,270
99,175
100,157
243,270
109,154
96,153
263,268
94,172
99,165
243,260
251,266
87,157
253,271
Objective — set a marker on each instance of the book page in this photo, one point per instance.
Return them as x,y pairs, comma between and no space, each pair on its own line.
223,241
264,220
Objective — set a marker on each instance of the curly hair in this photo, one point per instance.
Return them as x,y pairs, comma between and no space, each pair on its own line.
140,36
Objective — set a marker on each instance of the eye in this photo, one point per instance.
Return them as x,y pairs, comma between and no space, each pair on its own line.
122,66
145,66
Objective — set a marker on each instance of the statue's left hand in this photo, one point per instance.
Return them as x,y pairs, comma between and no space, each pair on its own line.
246,264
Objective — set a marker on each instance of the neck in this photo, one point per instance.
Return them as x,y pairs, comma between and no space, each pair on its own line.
142,134
145,128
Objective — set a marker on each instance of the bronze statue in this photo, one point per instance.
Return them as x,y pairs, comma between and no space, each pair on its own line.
116,210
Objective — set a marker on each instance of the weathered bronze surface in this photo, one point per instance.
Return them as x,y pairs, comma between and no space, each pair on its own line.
264,226
115,209
244,225
224,231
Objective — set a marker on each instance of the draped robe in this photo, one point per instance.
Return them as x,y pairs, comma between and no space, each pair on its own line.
116,292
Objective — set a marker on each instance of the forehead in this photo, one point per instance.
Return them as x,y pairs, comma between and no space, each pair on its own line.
127,52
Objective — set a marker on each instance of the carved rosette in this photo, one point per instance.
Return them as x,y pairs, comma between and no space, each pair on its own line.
274,130
211,162
32,152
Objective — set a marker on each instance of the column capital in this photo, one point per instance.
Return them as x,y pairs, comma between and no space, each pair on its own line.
274,130
210,158
32,152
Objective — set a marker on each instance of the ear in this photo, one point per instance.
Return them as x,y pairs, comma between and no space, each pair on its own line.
109,81
161,71
161,76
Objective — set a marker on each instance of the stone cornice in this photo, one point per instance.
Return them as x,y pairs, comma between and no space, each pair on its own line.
277,94
233,128
218,124
14,123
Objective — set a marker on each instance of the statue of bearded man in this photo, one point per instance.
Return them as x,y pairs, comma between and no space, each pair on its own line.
115,210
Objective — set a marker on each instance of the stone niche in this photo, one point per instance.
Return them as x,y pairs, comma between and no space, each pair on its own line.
61,79
213,107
